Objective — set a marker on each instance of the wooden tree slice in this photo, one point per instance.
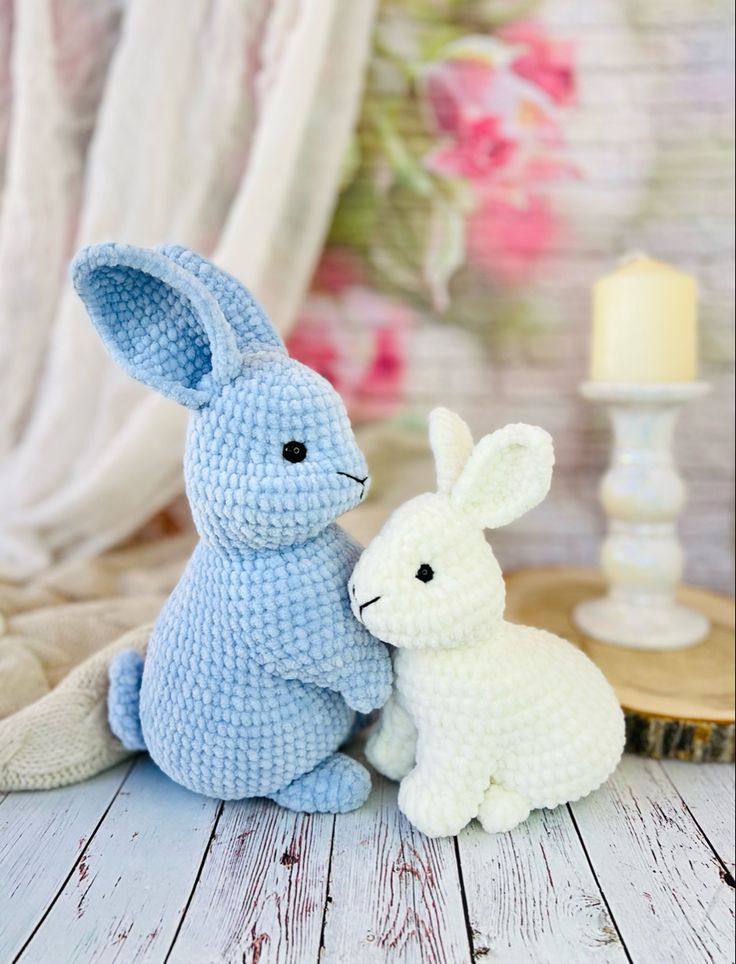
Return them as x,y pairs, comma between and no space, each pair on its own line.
678,705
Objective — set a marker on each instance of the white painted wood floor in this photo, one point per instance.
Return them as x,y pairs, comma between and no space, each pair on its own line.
130,867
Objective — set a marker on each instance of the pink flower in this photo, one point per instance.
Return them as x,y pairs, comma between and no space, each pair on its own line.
338,269
485,111
357,339
480,149
508,237
456,92
494,102
544,62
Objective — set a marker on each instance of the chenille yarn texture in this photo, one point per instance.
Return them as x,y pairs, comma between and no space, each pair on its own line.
256,667
487,719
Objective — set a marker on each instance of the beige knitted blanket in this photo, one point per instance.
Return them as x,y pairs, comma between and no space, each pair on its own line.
57,637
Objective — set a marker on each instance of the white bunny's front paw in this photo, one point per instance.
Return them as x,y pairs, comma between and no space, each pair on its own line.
502,809
433,808
391,756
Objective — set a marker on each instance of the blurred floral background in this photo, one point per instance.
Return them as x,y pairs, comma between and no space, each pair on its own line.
507,154
420,191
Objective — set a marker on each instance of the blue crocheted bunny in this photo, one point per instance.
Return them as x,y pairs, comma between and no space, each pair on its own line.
256,665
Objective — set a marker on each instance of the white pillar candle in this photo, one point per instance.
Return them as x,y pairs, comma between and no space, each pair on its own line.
644,324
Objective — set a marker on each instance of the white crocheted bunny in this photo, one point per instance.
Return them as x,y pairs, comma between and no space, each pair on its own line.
487,719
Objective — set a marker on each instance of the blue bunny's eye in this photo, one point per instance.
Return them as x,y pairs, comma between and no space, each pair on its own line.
294,451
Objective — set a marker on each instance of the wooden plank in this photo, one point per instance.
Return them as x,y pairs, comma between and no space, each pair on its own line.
664,886
394,894
129,889
708,792
42,834
531,895
262,890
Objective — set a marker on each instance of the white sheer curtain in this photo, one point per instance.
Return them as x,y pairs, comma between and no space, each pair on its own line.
220,124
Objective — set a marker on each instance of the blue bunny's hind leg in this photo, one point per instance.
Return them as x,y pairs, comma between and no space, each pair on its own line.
335,785
123,699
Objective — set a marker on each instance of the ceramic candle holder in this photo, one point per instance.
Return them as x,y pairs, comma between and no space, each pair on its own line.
642,494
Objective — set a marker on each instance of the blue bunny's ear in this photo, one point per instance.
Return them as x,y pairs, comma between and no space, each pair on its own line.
253,330
159,322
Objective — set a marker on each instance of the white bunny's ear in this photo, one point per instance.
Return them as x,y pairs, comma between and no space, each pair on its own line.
508,473
451,443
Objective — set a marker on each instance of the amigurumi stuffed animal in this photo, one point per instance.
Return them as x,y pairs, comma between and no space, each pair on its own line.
255,667
487,719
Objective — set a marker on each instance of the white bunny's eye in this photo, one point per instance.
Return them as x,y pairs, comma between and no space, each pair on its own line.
425,573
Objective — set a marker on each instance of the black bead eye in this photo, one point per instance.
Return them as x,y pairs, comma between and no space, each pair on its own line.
294,451
425,573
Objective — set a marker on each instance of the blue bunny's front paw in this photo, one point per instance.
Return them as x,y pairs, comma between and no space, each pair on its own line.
369,690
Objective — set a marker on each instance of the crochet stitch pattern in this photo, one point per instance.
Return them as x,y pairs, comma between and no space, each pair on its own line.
256,667
487,719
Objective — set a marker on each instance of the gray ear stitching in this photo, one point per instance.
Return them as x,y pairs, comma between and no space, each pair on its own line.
253,330
158,321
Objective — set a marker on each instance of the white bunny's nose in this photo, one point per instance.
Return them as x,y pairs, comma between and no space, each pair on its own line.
364,605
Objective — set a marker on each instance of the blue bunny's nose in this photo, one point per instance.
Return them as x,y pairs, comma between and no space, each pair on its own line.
355,478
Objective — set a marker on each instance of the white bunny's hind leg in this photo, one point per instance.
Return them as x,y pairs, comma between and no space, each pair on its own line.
392,746
502,809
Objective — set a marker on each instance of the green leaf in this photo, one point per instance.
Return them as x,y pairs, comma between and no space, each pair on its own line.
405,167
445,251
